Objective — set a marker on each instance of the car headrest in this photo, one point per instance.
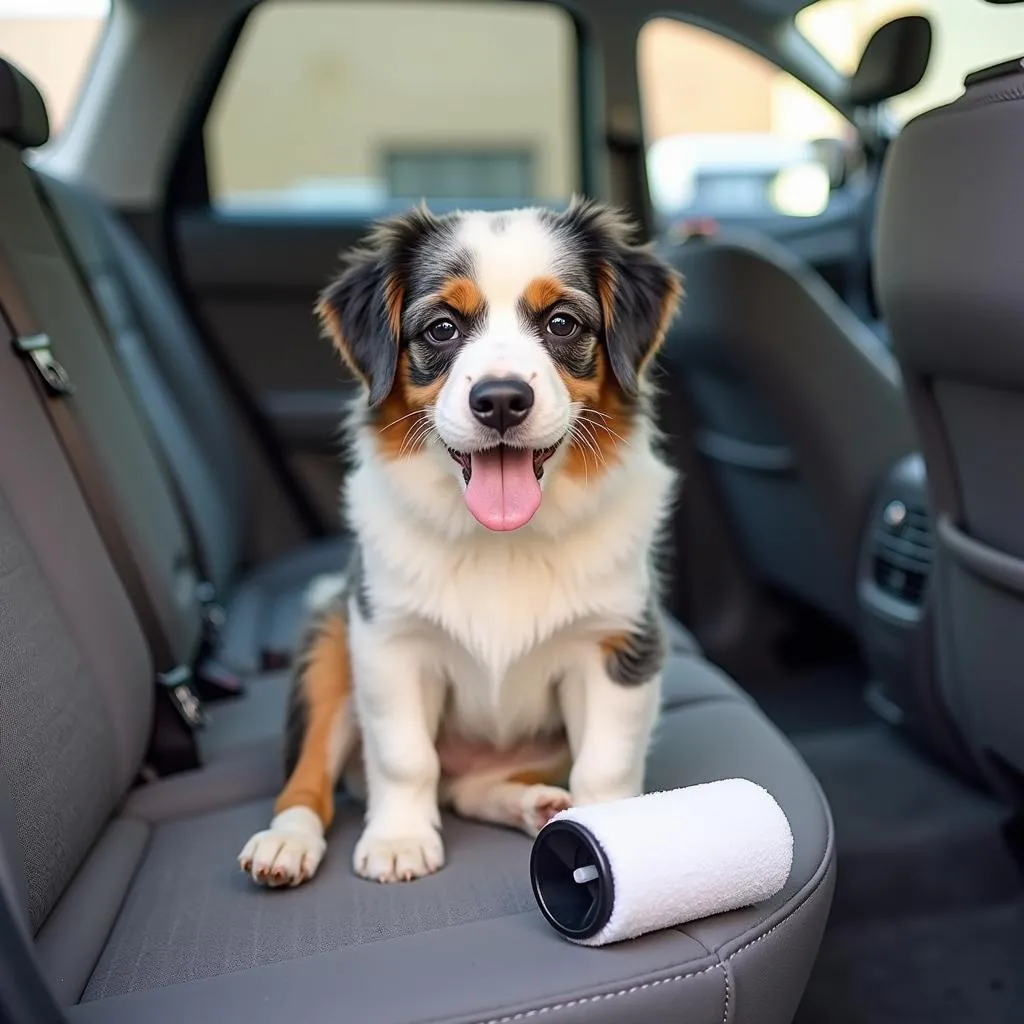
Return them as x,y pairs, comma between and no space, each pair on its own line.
23,119
893,62
947,261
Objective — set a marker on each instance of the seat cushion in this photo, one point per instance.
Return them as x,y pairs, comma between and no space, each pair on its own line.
266,610
196,940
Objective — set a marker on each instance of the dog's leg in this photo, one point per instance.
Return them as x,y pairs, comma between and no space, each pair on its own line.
321,735
610,707
525,797
399,705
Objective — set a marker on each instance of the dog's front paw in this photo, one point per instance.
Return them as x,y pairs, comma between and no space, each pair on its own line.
286,854
383,857
540,804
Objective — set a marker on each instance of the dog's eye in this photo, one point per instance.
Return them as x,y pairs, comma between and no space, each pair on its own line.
442,331
561,325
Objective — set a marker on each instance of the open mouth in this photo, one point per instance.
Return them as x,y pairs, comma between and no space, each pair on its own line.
540,456
503,484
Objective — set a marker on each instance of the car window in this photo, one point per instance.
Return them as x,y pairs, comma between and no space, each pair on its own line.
53,42
729,134
349,106
968,35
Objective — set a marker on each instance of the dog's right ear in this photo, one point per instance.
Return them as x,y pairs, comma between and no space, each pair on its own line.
361,311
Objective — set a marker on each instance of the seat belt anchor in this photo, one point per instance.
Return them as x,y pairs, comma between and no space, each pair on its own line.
37,348
178,684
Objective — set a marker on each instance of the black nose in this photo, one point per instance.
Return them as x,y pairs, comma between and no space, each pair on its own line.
501,403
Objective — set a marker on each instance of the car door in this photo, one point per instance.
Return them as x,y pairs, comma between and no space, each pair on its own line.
324,117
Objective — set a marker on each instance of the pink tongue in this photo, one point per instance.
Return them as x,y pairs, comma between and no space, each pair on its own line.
503,491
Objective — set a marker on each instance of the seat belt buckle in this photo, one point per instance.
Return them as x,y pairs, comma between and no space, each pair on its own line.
178,684
36,347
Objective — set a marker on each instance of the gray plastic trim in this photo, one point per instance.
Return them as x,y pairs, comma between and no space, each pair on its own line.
760,458
986,563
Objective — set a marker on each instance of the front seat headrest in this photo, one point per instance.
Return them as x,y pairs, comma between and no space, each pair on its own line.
894,61
23,119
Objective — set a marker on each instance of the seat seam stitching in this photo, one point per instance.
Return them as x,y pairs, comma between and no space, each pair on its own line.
725,1000
633,989
602,997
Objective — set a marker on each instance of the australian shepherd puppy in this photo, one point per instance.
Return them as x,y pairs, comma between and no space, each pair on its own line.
497,644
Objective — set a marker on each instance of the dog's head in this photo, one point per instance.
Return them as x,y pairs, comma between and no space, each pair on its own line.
505,343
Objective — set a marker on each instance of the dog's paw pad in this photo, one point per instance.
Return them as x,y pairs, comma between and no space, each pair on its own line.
386,858
541,804
282,857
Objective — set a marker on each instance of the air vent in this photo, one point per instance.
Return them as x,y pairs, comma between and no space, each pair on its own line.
903,551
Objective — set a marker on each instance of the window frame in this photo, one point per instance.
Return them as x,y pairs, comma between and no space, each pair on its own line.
188,184
790,40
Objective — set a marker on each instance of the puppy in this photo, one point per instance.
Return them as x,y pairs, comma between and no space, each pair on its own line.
496,643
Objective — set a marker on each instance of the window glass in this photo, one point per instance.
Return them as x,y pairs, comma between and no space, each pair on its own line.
728,134
350,106
53,42
967,35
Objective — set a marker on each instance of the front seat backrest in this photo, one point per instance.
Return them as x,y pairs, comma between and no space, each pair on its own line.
950,270
799,410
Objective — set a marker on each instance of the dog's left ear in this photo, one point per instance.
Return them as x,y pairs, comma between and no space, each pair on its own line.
361,311
639,292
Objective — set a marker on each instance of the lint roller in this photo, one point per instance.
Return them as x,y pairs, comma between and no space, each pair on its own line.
607,872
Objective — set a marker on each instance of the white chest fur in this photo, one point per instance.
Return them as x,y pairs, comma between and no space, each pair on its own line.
506,615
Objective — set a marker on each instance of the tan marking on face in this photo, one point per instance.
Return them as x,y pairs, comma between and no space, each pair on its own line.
331,324
669,304
543,292
606,293
462,295
326,688
394,296
605,421
400,418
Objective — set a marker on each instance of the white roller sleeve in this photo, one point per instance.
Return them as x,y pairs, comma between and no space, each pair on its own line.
685,854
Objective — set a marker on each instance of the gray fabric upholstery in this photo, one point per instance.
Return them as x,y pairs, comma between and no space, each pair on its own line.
256,770
799,410
193,922
949,281
74,935
76,678
23,119
48,287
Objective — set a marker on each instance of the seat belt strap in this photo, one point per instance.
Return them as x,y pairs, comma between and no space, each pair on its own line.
55,389
213,612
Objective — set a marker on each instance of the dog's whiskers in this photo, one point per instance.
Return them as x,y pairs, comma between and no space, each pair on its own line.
394,422
415,434
575,438
604,427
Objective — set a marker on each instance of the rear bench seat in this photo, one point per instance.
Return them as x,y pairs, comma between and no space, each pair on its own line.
130,894
192,420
